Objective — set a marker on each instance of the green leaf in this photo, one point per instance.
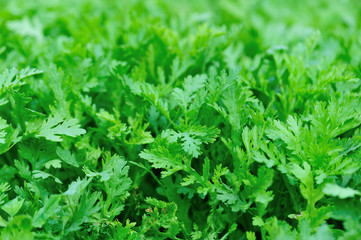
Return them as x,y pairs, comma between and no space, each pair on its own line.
54,127
340,192
3,126
257,221
162,158
160,217
12,207
48,210
191,145
53,163
77,187
3,223
37,174
67,157
261,158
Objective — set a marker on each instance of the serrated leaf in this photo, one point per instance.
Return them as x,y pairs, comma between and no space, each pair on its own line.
191,145
67,157
77,187
54,127
261,158
53,163
50,206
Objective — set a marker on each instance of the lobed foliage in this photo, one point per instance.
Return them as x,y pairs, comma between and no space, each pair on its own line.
163,119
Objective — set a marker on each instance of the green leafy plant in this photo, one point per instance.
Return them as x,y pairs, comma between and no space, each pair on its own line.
180,119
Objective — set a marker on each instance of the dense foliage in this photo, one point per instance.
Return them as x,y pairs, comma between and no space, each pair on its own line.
157,119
